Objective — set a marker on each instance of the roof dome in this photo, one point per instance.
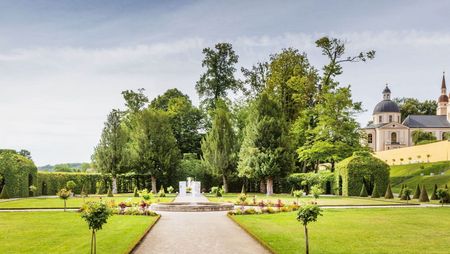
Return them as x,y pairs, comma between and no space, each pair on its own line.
443,98
386,89
386,106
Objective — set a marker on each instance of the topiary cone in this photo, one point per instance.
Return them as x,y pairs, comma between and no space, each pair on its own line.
403,196
110,193
388,194
417,192
424,195
136,194
375,193
363,192
4,193
401,191
434,195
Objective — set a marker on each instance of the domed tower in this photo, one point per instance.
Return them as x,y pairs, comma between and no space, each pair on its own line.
386,111
443,99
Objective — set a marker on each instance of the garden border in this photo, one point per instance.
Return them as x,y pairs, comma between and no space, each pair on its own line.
265,245
139,241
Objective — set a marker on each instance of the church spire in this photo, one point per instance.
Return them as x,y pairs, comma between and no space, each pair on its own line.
443,86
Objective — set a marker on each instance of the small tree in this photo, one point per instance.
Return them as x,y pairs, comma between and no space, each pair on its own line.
428,157
406,194
389,194
170,189
95,214
297,194
393,161
71,186
443,195
409,159
375,193
417,192
363,192
305,215
401,161
434,194
424,195
33,189
418,157
64,194
316,191
4,194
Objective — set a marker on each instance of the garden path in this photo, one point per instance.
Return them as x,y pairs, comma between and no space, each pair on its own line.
201,232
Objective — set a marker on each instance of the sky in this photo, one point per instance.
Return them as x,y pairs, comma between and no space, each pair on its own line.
63,64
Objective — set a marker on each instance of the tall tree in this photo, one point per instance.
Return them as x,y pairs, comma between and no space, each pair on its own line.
255,79
186,120
412,106
135,101
218,78
109,153
218,145
265,151
155,148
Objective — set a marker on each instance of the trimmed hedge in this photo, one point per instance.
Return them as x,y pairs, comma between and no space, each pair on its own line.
18,173
362,168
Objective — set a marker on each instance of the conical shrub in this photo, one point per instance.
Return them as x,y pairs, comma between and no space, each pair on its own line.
110,193
243,189
375,193
136,194
363,192
424,195
388,194
400,194
417,192
434,194
4,193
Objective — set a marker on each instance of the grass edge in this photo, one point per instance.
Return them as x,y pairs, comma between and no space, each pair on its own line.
141,238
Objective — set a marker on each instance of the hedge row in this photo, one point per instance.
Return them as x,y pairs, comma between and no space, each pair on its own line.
17,174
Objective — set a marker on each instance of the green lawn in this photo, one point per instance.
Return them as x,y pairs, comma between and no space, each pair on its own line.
381,230
409,174
59,232
73,202
288,199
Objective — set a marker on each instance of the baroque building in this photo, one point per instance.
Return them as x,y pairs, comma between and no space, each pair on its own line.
386,131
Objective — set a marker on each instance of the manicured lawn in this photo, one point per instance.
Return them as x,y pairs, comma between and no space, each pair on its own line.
73,202
66,232
288,199
380,230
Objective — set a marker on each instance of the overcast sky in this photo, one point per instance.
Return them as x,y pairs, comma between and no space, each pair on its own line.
63,64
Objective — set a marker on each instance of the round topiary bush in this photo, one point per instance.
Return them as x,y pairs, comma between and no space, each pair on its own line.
17,173
362,168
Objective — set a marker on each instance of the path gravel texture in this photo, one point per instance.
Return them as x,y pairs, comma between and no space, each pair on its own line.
200,232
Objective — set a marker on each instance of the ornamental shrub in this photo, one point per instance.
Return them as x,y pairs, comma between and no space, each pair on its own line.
96,215
363,192
307,214
417,192
389,194
400,194
406,194
71,185
161,192
4,193
64,194
110,195
316,191
136,193
170,189
424,195
434,194
443,195
375,193
360,168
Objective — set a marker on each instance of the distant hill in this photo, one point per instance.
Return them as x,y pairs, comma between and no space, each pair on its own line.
65,167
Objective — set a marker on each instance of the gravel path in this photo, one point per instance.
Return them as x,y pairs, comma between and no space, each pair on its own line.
201,232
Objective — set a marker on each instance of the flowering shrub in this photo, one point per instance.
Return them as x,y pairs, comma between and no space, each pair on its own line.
145,194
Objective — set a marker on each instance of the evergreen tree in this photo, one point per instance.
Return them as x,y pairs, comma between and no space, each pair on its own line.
218,145
424,195
389,194
417,192
400,194
109,153
434,194
136,193
363,192
375,193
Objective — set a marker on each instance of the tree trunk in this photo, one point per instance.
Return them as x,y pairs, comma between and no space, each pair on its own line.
225,184
154,185
306,239
262,186
114,185
65,205
269,186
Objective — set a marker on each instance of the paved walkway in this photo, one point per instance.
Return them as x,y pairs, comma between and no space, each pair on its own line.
201,232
